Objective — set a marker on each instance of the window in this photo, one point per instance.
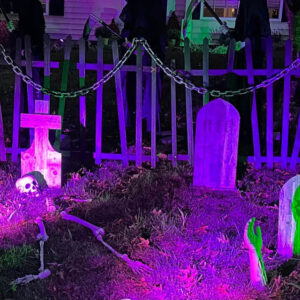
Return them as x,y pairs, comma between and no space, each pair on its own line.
229,8
223,8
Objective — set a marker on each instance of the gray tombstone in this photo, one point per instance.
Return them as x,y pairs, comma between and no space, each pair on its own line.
216,146
286,222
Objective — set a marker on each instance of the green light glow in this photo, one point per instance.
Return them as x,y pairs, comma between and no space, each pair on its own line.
256,242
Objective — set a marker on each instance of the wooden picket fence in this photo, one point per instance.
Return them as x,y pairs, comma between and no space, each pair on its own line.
284,159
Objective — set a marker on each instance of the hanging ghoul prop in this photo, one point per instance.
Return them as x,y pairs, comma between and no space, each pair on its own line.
143,19
253,22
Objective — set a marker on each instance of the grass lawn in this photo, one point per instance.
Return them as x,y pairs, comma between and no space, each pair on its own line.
193,241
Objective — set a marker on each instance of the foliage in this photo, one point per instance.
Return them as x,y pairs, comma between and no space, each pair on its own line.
14,257
173,22
103,32
173,34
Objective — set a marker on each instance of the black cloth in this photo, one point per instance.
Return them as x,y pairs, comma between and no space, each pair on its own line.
56,7
252,20
147,19
32,23
293,5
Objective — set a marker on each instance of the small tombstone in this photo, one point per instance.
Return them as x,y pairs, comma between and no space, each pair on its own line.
41,156
286,221
216,146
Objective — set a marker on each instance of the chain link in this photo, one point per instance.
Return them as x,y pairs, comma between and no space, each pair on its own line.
168,71
82,92
215,93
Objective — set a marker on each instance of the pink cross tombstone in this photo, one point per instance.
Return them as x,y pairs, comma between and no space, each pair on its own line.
41,156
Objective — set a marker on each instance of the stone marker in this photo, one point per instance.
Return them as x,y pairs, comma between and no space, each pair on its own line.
286,221
216,146
41,156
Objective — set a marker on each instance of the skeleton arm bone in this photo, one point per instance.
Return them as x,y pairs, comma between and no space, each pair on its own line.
96,230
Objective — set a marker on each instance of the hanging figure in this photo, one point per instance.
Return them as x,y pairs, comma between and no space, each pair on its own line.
32,23
253,22
147,19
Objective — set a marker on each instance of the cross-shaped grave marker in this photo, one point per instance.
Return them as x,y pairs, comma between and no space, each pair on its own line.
41,156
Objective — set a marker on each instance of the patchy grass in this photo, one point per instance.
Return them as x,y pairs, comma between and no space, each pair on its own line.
193,240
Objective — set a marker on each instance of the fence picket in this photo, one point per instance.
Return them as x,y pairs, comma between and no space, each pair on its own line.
2,143
120,104
47,65
286,106
173,117
296,148
63,87
153,114
30,98
231,55
269,53
139,96
254,118
17,105
205,69
99,103
188,99
82,100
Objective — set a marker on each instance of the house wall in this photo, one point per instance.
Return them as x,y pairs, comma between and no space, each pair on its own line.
76,14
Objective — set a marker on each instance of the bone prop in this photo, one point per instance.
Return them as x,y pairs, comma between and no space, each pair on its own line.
136,266
42,237
96,230
26,279
44,273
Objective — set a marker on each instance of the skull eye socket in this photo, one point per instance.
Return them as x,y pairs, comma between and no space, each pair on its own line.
27,186
34,182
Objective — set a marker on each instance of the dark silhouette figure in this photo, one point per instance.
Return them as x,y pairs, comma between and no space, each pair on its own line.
253,22
147,19
32,23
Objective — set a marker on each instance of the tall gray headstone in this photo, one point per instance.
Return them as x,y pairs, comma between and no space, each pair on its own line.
216,146
286,222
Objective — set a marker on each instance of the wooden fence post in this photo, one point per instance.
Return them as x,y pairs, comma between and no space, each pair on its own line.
254,118
82,102
63,87
153,113
47,65
2,142
189,108
120,104
205,69
270,148
173,117
296,148
17,105
99,102
139,97
286,106
30,98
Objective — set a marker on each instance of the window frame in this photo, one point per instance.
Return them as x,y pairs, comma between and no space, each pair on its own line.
202,17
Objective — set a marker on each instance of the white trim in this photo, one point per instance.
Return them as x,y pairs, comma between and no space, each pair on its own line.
227,19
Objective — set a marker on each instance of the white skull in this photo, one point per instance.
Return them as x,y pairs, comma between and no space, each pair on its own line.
28,185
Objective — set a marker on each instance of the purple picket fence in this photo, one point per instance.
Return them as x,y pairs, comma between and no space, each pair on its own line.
285,159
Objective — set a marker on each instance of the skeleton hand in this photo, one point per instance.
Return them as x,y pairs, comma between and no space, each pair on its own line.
253,241
254,244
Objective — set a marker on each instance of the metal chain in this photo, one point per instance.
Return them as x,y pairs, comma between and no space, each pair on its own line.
169,72
215,93
82,92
